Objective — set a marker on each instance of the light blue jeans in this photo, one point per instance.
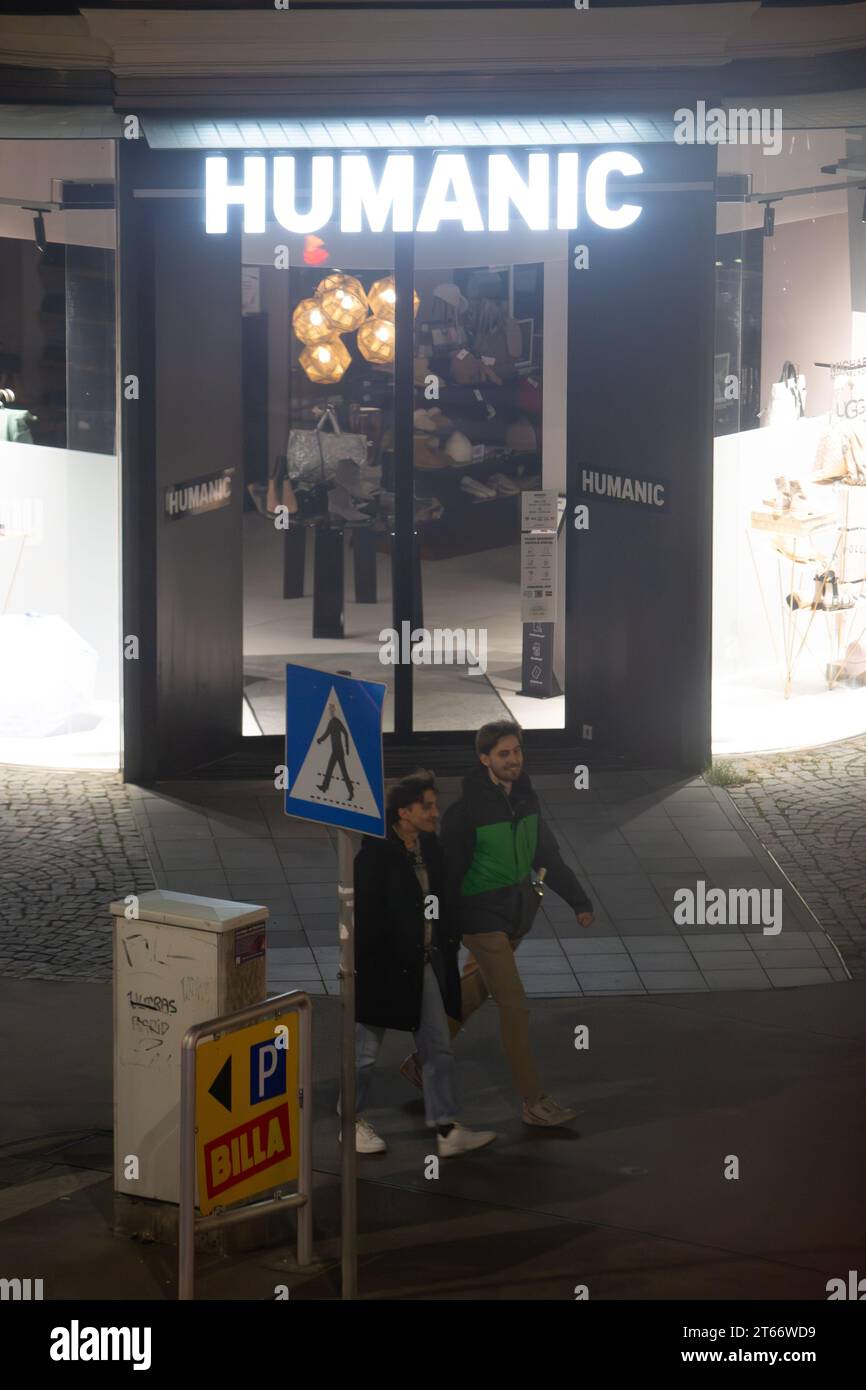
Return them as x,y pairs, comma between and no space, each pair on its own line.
433,1044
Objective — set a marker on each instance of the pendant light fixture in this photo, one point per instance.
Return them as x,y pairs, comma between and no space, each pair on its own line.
376,339
382,298
325,362
310,323
342,301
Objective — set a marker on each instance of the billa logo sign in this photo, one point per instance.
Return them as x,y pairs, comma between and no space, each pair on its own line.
448,195
247,1151
247,1112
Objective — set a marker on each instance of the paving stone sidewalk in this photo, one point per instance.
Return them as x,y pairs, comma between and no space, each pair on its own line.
69,843
72,842
809,810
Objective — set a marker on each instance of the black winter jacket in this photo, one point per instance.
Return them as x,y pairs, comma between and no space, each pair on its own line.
389,934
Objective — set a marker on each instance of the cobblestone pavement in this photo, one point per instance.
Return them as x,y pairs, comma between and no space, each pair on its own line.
69,844
809,810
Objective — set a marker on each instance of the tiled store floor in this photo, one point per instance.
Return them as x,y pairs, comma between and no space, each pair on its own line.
632,839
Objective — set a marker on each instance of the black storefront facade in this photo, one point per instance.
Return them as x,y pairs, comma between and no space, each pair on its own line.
666,344
637,375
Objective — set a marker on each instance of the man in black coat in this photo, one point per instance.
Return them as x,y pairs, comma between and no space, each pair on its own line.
406,961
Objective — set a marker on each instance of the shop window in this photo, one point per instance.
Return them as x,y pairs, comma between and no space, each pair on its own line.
321,470
479,447
59,494
789,626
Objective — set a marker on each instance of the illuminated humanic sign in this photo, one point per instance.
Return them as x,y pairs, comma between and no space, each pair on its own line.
390,202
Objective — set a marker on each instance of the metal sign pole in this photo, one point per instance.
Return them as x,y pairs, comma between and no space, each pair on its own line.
349,1218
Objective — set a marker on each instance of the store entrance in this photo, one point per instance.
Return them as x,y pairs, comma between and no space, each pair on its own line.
394,414
384,526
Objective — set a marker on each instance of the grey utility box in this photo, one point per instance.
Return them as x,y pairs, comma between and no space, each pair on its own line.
181,960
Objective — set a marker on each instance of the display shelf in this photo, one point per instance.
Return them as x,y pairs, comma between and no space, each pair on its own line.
484,467
459,532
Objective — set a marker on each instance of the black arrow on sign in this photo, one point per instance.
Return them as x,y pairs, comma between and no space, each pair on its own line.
221,1090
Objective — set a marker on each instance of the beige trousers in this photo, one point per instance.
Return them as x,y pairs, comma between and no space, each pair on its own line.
491,971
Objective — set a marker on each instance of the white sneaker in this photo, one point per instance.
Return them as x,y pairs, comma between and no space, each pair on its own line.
367,1141
546,1111
462,1141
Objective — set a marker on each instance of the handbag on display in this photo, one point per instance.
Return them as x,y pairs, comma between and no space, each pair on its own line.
853,666
314,454
493,340
855,455
830,462
841,455
787,397
467,369
521,437
529,395
447,336
445,331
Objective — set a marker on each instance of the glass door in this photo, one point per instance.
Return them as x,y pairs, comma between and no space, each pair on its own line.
489,474
405,439
319,338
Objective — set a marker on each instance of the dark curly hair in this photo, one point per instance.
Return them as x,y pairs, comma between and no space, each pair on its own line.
407,791
489,734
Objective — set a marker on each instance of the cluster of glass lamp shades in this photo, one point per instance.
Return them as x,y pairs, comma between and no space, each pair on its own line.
341,305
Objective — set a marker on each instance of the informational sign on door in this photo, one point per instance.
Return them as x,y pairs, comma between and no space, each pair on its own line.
540,515
539,510
538,577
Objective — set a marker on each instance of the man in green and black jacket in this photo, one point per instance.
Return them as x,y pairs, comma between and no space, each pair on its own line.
493,838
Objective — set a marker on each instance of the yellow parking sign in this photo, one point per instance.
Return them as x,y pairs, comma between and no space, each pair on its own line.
247,1112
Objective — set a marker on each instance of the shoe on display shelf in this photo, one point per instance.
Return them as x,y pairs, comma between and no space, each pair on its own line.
504,485
478,491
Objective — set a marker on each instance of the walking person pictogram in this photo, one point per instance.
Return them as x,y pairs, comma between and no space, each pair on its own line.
338,733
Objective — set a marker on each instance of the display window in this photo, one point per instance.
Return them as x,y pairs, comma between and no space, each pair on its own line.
789,591
476,610
60,647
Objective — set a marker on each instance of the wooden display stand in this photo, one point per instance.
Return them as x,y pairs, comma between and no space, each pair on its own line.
795,540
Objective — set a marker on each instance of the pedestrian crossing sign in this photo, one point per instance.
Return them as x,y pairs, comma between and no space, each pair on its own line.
334,750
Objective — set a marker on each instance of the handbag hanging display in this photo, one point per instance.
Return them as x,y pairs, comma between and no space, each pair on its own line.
787,397
313,455
466,368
